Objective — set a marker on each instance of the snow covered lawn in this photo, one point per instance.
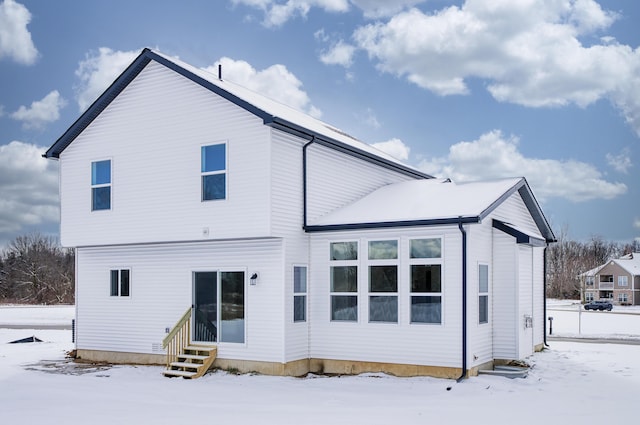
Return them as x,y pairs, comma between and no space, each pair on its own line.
569,383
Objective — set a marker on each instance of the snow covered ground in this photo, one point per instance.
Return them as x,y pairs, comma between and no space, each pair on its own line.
570,382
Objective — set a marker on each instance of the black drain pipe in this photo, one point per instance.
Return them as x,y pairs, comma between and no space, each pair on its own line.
304,182
464,301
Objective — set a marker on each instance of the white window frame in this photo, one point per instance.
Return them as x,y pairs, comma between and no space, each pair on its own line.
382,263
484,294
344,263
426,262
623,297
623,278
297,295
225,171
589,296
590,280
102,185
118,287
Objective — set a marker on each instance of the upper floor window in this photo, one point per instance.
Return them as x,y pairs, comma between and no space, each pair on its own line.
101,185
590,280
214,171
622,281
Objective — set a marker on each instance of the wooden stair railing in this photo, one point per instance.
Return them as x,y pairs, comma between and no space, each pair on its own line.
183,358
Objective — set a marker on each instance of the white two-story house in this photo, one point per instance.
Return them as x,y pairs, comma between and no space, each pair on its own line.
283,243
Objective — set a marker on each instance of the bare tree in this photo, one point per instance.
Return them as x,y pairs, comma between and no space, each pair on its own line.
36,270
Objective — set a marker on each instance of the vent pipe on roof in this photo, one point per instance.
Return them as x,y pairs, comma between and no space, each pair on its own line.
220,71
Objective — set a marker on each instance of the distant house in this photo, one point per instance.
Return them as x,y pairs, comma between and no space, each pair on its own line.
232,229
617,280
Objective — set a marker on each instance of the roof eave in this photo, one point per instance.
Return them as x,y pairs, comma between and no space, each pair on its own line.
389,224
99,105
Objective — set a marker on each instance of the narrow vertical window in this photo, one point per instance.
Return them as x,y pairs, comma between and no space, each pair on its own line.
214,172
299,294
483,293
426,280
120,283
383,281
101,185
344,281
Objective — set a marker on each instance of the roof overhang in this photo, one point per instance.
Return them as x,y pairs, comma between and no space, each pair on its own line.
388,224
520,235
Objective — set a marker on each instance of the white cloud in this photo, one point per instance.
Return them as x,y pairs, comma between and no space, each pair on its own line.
15,38
382,8
528,52
278,12
97,71
340,53
41,111
636,223
494,156
275,82
621,162
394,147
29,187
369,118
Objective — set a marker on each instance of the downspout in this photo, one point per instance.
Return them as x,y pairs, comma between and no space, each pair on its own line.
304,181
464,301
544,294
304,226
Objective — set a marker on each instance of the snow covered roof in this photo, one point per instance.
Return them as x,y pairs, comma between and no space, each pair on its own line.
429,202
630,263
271,112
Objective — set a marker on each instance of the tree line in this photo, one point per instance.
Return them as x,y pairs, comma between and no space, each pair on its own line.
34,269
568,259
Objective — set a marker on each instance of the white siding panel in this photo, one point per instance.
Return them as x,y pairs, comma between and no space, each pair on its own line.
405,343
479,251
515,212
538,296
525,299
153,132
505,302
287,222
161,291
335,179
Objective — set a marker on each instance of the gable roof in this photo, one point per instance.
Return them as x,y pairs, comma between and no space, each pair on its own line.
630,263
432,202
271,112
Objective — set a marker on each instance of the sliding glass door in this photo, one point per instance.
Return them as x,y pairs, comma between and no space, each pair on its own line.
218,306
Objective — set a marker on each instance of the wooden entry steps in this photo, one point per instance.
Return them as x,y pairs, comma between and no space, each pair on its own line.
193,362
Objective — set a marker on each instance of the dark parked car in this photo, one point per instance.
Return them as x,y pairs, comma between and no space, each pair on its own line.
599,305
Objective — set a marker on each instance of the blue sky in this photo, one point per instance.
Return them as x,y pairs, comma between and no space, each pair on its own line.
471,90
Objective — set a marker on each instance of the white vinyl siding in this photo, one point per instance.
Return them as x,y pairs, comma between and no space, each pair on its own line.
327,172
404,343
163,292
505,302
166,118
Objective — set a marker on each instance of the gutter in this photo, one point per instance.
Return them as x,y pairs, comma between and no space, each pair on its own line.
463,375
